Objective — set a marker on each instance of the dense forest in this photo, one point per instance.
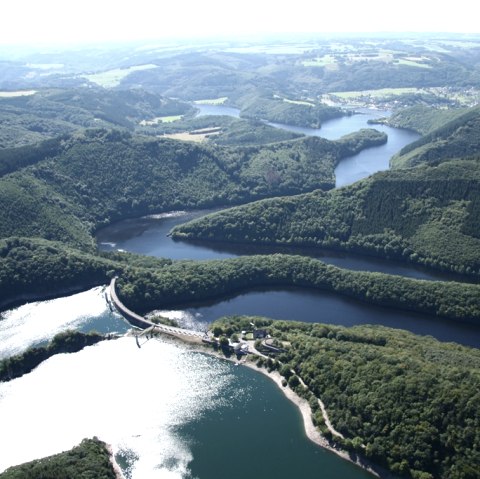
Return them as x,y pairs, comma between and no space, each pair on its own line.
54,112
31,119
89,147
81,182
278,110
143,290
406,402
89,460
35,268
457,138
224,130
422,119
428,214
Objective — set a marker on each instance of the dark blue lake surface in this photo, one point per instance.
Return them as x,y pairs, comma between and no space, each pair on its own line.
356,167
203,418
149,236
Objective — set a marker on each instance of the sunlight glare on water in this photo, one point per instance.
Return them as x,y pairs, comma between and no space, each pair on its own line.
132,398
37,322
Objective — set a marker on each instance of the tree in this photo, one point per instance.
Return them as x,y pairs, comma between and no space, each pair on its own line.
217,331
293,382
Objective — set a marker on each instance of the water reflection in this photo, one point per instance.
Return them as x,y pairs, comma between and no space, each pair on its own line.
133,399
35,323
322,307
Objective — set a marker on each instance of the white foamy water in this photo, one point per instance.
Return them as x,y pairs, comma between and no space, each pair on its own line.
184,319
34,323
134,399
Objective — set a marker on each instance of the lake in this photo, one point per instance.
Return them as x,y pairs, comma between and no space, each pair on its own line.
356,167
169,412
149,236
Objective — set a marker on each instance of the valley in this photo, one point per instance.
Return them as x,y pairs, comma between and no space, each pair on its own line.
335,234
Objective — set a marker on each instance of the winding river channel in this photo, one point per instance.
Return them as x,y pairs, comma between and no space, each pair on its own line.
172,413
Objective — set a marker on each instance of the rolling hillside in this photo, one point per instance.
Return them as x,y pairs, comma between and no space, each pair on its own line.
426,215
459,138
83,181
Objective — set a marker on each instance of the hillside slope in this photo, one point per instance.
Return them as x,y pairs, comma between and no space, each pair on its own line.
49,113
424,215
409,403
89,179
459,138
89,460
422,119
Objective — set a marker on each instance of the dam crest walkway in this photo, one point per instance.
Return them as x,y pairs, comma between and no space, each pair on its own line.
141,322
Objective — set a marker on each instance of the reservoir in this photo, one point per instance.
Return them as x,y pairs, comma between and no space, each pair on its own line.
149,236
356,167
167,411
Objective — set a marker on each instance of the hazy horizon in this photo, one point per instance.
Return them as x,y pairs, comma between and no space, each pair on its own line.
59,23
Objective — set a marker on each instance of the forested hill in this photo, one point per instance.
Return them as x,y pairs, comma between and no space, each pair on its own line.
89,460
424,215
86,180
277,110
407,402
459,138
49,113
422,119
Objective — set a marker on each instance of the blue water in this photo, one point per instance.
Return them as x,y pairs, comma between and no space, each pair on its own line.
166,411
169,412
356,167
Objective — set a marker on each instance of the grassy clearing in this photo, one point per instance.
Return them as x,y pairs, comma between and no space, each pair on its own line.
212,101
112,78
161,119
46,66
13,94
413,62
298,102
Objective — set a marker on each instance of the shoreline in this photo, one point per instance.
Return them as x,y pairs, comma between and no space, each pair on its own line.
312,433
115,466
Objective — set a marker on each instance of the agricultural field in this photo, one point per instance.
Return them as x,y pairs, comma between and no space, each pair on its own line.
346,57
328,61
197,136
112,78
298,102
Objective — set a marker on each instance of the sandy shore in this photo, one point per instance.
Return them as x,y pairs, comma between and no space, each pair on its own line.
311,431
116,468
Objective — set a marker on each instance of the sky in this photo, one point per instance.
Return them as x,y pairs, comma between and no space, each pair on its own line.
34,22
